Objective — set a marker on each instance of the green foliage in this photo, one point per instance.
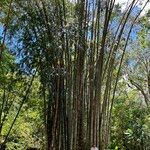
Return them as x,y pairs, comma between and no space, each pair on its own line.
28,129
130,128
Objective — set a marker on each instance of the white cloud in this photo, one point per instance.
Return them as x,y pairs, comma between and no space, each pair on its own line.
140,4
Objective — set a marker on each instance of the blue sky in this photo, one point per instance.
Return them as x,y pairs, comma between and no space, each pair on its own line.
1,30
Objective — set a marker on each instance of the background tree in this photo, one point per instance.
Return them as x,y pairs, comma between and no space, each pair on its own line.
138,65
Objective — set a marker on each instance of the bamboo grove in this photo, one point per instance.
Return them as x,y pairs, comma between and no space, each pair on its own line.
76,50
